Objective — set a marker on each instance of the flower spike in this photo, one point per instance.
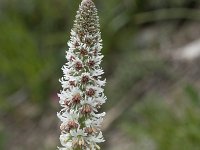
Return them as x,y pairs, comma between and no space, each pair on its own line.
82,93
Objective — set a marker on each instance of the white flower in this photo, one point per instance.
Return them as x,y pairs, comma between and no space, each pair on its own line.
78,133
82,91
92,140
97,72
97,139
66,141
65,116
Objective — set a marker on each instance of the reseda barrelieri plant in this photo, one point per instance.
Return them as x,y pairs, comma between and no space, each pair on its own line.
82,93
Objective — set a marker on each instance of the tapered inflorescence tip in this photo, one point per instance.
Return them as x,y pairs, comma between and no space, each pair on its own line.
86,1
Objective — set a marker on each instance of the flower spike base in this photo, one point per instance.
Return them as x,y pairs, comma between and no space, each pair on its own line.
82,94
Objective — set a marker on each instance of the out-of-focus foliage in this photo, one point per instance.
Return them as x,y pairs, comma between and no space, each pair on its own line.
33,40
31,36
2,139
164,126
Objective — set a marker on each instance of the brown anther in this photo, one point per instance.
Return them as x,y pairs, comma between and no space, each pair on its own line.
88,41
76,98
67,103
83,51
71,58
86,109
81,34
62,127
81,142
95,52
78,143
95,77
85,79
98,106
89,130
96,38
76,44
78,65
90,92
72,124
91,63
72,83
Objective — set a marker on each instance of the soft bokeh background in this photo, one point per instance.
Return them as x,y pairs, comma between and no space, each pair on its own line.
151,49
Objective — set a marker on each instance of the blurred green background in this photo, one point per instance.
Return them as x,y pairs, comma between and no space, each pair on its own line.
151,49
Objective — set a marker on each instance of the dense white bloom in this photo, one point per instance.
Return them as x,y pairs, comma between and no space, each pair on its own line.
65,141
82,87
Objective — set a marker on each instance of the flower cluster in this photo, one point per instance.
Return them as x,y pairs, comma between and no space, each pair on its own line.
82,93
